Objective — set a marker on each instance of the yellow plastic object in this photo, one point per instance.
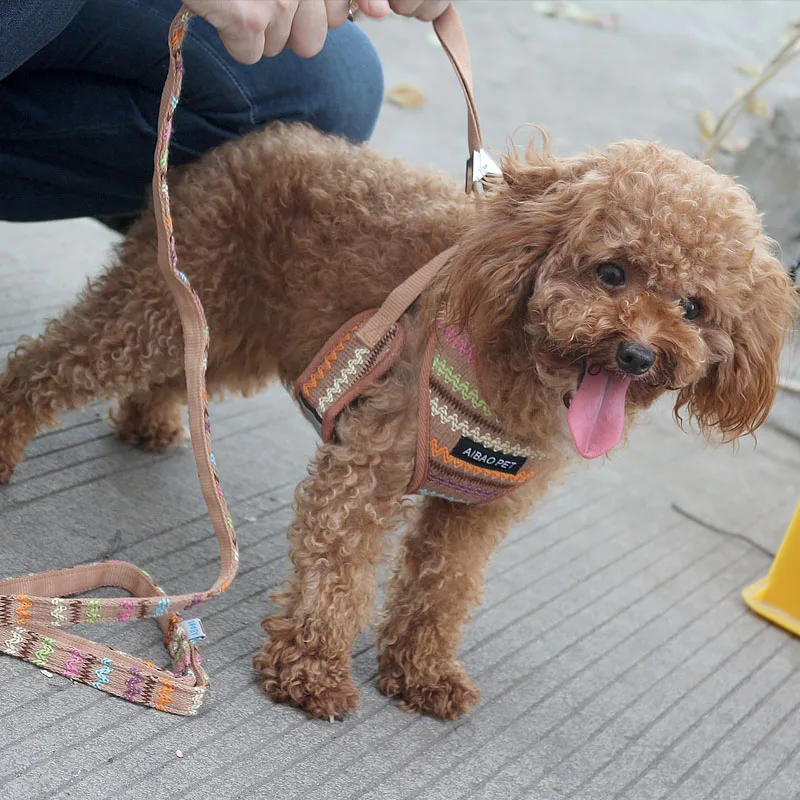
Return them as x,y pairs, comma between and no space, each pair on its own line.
777,597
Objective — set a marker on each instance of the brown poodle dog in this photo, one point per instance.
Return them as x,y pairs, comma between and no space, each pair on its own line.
632,272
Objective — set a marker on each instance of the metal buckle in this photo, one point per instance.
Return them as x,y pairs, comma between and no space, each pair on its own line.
479,165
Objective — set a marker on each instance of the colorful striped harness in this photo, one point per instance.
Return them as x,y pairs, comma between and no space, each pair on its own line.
464,453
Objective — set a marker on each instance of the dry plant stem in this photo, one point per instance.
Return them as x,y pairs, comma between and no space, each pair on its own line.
721,131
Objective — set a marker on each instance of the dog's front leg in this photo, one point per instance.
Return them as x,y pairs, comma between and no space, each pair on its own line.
343,509
438,577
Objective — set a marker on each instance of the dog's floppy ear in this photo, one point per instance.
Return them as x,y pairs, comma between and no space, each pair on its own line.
737,394
519,222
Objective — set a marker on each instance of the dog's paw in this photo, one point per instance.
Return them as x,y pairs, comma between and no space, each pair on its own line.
153,434
156,439
287,675
447,696
6,471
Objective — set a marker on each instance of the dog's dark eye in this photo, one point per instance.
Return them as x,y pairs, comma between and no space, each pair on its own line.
692,309
610,274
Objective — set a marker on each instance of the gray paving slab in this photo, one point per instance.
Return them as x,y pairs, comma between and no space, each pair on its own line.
614,653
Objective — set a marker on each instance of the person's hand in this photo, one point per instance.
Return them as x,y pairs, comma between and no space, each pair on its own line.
426,10
250,29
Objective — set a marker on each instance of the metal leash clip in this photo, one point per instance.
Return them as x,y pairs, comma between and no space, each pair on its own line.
479,166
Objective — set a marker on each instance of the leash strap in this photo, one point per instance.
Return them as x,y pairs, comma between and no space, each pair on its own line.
454,42
400,298
451,34
34,608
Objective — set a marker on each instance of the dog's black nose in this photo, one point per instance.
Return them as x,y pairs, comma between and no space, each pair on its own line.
635,359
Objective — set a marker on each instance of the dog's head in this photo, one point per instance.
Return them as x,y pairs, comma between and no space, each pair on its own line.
611,278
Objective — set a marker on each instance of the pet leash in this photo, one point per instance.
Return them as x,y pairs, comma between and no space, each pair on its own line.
34,609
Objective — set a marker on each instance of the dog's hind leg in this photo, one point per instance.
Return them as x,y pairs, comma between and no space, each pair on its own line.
121,337
438,577
343,509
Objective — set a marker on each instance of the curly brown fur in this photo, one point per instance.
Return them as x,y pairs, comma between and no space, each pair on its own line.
287,234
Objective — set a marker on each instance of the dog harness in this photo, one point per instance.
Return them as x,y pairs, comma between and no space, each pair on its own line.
35,608
463,453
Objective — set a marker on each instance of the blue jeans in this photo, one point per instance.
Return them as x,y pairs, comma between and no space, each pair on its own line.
80,83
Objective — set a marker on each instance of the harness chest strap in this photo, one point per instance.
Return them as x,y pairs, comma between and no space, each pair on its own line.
33,609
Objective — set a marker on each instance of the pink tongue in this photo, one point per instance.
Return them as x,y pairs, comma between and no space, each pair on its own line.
596,415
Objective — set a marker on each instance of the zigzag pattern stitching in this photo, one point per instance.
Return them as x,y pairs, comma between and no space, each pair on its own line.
440,451
40,659
165,695
162,606
132,684
464,409
74,663
58,611
13,642
313,381
90,661
347,376
102,674
6,607
459,426
199,694
446,373
458,341
23,609
440,468
127,610
93,613
149,684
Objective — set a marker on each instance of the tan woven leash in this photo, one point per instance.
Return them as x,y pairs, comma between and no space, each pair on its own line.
33,609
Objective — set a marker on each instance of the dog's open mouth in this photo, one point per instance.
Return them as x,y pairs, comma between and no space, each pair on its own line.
596,411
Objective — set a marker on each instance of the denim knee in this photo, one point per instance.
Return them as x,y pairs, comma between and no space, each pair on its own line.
350,97
339,91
